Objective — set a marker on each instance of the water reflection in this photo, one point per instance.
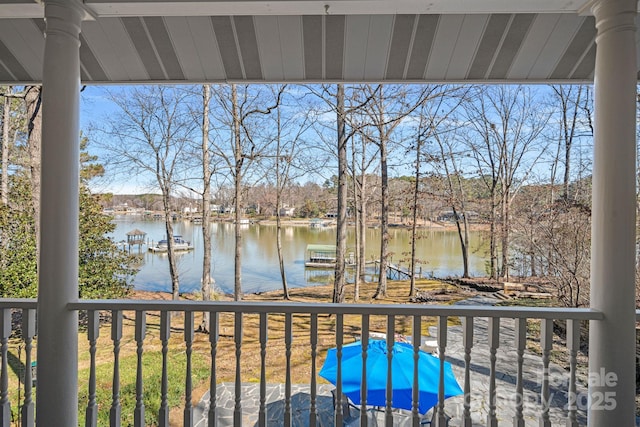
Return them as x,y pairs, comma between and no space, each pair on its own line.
438,251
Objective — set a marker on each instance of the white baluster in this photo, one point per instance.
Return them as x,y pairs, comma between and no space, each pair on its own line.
288,338
141,331
365,353
262,414
467,342
313,411
165,333
494,342
339,416
116,336
442,345
237,410
546,341
5,330
391,332
93,332
573,345
188,386
28,332
521,341
213,340
415,392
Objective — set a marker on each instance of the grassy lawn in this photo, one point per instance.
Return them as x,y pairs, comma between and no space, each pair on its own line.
225,360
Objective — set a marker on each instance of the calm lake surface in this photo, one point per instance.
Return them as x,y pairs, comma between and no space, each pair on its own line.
438,250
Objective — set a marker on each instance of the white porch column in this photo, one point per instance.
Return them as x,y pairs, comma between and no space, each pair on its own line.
612,341
57,398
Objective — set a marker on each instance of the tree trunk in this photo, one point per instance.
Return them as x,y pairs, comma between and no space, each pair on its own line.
33,101
279,188
492,238
283,274
569,127
173,268
356,207
414,225
341,234
237,289
358,202
567,169
381,291
505,234
464,235
362,224
6,118
206,206
463,230
534,269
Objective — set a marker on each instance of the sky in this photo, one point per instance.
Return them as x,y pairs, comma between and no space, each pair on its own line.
96,108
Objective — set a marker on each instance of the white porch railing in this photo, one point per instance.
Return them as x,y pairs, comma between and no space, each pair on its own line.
472,354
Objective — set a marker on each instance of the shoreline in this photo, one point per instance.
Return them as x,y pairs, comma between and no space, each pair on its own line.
422,225
394,222
323,292
398,293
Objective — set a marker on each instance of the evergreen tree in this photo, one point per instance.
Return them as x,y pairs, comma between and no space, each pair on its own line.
104,271
18,273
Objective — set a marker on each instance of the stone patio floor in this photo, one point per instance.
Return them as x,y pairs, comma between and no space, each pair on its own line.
506,371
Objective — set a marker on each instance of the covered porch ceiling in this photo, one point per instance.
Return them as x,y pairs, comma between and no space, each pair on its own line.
311,41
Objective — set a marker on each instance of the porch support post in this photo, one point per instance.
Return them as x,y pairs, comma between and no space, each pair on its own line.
57,397
612,341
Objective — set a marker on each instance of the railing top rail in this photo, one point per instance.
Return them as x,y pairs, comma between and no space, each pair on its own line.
345,308
22,303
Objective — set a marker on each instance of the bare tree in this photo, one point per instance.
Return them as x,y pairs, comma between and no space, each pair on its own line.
574,123
420,140
280,184
562,241
33,101
206,205
509,126
6,120
454,193
336,145
245,111
237,172
341,234
346,128
387,107
289,163
361,162
15,127
148,137
433,113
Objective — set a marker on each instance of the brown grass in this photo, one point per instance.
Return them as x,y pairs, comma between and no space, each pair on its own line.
276,358
276,352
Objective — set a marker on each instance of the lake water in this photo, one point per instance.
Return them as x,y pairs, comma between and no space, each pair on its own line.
438,250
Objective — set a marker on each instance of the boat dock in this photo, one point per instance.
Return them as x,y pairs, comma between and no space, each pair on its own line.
179,244
321,256
396,272
325,256
164,249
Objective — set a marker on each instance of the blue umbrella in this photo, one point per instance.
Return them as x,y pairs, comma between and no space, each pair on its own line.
401,371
